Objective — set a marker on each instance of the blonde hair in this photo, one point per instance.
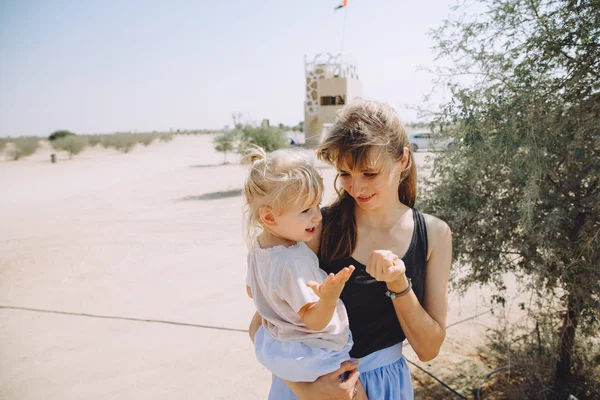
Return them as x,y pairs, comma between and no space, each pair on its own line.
363,129
277,180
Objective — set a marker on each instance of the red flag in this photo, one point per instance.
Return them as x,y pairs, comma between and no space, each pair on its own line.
344,4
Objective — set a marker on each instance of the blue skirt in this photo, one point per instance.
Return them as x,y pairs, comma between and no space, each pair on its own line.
384,374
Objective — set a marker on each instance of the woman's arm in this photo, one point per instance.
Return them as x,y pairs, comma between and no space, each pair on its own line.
424,326
330,387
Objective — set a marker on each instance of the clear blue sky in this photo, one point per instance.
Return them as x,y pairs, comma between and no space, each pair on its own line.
103,66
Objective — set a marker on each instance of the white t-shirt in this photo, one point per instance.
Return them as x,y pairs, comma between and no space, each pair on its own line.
277,277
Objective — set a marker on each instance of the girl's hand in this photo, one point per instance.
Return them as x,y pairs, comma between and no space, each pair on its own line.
332,286
385,266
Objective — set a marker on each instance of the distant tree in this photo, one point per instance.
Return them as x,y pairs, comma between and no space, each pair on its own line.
225,144
522,190
59,134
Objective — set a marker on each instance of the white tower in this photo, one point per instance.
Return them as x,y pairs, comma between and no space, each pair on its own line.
331,82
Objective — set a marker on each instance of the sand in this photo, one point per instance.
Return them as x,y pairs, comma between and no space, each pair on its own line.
101,256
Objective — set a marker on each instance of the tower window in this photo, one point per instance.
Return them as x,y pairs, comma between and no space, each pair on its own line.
333,100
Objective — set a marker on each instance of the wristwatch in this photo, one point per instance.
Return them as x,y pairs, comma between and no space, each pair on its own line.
393,295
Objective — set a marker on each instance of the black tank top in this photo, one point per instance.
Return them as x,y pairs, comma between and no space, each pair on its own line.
373,321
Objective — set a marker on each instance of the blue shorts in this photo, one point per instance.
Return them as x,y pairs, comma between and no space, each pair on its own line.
295,361
384,374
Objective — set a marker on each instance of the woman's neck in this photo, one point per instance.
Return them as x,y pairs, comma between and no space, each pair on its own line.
384,218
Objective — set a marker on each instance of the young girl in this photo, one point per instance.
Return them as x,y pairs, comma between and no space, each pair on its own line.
304,333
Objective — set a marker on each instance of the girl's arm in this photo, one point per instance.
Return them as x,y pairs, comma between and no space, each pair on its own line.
317,315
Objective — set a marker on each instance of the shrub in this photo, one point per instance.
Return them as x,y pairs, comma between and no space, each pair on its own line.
524,355
166,137
71,144
146,138
270,139
93,140
23,147
3,143
122,142
59,134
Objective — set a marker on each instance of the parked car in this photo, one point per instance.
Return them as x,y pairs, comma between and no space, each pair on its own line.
427,141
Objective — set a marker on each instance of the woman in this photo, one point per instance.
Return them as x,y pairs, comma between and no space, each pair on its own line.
394,294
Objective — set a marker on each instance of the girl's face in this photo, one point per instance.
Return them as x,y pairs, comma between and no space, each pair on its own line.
374,184
298,222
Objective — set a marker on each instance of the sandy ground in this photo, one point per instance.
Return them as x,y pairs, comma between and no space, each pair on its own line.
122,277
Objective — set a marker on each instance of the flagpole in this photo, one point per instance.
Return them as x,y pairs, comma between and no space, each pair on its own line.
343,37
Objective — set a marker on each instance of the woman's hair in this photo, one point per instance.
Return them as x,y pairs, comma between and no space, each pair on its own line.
277,180
363,131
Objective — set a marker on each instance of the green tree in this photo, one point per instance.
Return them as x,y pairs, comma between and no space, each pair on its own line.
521,188
225,144
59,134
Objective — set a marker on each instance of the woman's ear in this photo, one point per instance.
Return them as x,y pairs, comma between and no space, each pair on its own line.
405,160
267,216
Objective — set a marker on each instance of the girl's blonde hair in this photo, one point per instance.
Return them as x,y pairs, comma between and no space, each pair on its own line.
277,180
363,130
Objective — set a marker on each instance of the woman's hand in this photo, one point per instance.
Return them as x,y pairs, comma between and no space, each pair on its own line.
331,387
254,325
385,266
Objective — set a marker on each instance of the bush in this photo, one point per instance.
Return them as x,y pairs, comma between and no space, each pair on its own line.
3,143
166,137
270,139
71,144
146,138
93,140
23,147
122,142
524,356
59,134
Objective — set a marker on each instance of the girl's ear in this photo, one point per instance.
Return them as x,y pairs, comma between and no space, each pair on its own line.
267,216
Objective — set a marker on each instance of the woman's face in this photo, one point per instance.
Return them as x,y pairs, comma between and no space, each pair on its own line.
373,184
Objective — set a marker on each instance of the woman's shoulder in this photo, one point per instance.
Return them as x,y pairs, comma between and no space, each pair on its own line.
435,224
438,232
